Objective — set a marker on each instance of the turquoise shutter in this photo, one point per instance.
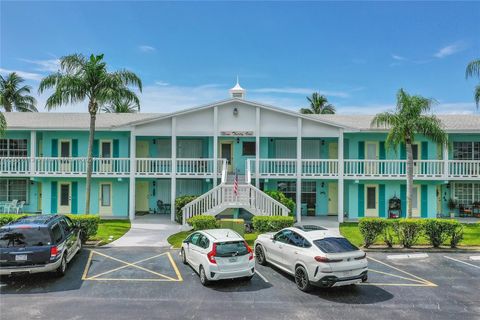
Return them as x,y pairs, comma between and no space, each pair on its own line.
424,155
74,197
116,148
382,156
346,149
361,154
403,199
74,148
381,201
424,202
361,200
95,152
403,151
53,196
54,148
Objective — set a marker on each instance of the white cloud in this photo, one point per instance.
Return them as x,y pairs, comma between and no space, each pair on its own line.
302,91
50,65
24,74
146,48
162,83
397,57
450,49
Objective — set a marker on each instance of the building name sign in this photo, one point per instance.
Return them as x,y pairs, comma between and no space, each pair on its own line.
237,133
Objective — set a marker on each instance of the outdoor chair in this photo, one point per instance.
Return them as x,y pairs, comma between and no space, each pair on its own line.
10,206
163,207
19,207
464,211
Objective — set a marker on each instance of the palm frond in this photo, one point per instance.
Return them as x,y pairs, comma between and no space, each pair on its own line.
129,78
473,69
306,111
3,124
431,127
384,119
72,63
477,96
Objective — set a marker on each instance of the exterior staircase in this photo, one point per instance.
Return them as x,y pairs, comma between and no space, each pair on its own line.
222,197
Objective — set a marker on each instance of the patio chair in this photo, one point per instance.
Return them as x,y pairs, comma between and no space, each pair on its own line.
464,211
12,205
19,207
163,207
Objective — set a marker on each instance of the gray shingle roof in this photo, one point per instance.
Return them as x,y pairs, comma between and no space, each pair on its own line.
451,122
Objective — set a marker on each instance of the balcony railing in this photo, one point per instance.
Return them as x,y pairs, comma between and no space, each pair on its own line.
15,165
78,166
464,168
393,168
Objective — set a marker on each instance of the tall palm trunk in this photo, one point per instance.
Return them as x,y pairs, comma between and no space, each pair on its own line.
7,106
93,115
408,145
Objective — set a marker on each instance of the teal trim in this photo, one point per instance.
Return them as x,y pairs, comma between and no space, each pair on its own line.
381,201
403,199
361,200
116,147
53,197
95,152
424,202
74,147
403,151
424,150
54,147
361,150
74,197
382,150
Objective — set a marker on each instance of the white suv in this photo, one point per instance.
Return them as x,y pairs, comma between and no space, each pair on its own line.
218,254
314,256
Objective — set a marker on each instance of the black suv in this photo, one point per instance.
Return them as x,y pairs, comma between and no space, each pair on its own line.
36,244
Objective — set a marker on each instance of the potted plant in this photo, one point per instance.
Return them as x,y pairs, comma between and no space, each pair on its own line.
452,205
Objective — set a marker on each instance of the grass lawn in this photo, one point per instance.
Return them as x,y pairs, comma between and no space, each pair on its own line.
471,234
111,230
176,239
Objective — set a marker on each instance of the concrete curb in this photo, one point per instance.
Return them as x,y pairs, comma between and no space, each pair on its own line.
422,250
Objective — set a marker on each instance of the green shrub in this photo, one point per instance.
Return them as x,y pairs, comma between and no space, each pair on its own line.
455,233
180,202
202,222
409,231
237,225
88,224
437,231
371,229
9,217
389,233
271,223
283,199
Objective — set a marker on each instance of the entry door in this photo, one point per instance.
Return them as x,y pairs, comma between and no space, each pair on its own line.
226,152
142,151
105,198
333,150
141,196
65,154
332,198
65,197
106,154
371,200
371,152
416,202
439,200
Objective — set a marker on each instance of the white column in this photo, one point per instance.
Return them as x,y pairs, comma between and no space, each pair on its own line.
173,186
257,148
133,166
33,151
446,168
299,171
340,177
215,146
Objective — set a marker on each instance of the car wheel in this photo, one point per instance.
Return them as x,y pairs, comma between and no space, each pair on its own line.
62,268
260,255
364,279
301,279
248,278
203,277
184,257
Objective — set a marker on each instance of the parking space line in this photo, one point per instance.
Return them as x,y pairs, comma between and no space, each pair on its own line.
396,276
261,276
87,265
175,268
460,261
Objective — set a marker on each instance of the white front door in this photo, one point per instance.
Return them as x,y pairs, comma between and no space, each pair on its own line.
416,201
371,153
371,200
332,198
105,198
333,150
65,147
65,197
141,196
106,153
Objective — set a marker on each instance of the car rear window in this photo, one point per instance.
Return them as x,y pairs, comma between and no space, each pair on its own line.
232,248
334,245
24,237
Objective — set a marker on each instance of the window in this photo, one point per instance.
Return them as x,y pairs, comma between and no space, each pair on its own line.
248,148
297,240
415,151
106,149
467,193
466,150
13,147
194,239
415,198
65,149
14,189
231,249
57,233
334,245
371,197
283,236
24,237
203,243
309,193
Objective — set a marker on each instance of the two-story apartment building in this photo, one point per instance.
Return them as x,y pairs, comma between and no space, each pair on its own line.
329,164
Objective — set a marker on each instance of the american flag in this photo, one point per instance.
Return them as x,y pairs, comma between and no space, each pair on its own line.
235,184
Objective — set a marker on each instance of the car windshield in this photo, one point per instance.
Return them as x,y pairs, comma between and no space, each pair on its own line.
229,249
334,245
24,237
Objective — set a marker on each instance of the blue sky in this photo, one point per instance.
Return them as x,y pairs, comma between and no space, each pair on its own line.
189,53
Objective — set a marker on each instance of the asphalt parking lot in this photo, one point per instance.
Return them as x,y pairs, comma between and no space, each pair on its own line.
152,283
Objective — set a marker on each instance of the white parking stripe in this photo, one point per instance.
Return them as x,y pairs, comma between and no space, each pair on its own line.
468,264
407,256
261,276
475,258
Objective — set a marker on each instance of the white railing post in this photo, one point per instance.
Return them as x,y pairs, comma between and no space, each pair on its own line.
131,180
33,151
446,168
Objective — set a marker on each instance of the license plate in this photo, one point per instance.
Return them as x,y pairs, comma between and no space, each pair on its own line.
232,260
21,257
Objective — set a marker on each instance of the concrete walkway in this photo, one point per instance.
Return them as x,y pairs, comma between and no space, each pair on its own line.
148,231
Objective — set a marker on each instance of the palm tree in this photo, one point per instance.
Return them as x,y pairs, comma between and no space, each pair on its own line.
122,106
14,95
318,105
408,120
473,69
3,124
81,78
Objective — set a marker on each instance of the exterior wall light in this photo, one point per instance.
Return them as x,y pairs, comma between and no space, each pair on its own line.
235,112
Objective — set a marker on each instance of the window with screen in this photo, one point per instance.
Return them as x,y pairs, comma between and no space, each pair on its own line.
466,150
467,193
248,148
14,189
13,147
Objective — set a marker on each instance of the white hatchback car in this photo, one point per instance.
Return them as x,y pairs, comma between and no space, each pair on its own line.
315,256
218,254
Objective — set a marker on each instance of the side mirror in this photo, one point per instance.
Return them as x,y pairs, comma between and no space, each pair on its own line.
272,237
185,241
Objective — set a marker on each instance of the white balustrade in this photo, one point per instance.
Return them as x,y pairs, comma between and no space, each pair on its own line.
153,166
464,168
14,165
320,167
194,166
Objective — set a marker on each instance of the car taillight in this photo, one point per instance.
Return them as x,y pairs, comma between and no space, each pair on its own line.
211,254
361,257
250,252
53,251
325,259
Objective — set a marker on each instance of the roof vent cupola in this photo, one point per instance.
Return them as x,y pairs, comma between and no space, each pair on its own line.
237,92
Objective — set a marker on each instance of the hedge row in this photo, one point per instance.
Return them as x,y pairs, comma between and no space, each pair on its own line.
408,231
271,223
202,222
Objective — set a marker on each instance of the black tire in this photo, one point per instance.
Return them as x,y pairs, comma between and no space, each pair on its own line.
203,277
260,255
62,268
184,257
364,279
248,278
301,279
